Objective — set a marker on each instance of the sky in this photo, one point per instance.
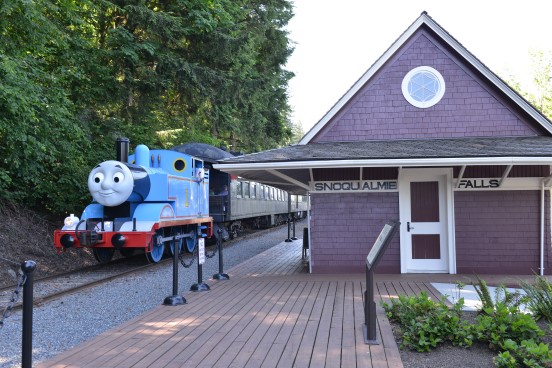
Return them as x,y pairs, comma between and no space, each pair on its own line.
336,41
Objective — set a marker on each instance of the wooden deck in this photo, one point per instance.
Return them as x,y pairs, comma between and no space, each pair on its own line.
271,313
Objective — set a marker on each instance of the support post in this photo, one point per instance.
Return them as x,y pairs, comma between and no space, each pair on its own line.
27,330
288,240
370,333
293,237
373,258
200,285
221,275
175,299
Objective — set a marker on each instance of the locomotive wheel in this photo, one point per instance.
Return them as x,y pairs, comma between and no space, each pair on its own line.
103,255
176,231
158,248
191,241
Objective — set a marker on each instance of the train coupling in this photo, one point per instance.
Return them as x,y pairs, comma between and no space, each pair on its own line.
89,238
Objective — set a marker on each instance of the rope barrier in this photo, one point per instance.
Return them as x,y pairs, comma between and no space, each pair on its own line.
14,298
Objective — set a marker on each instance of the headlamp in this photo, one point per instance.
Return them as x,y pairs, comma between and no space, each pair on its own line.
71,221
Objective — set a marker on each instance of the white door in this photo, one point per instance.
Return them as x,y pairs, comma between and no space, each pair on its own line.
424,220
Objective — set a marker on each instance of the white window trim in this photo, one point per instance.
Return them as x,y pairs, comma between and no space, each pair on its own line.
428,103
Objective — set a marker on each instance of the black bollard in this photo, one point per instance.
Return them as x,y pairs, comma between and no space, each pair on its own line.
175,299
27,341
293,237
200,285
288,240
221,275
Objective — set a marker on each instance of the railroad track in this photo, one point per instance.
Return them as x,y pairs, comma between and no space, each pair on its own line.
52,287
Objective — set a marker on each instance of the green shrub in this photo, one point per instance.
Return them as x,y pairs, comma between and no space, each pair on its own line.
503,323
539,297
526,354
426,323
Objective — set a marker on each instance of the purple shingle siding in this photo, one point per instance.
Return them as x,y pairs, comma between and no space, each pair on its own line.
499,232
496,231
344,228
380,111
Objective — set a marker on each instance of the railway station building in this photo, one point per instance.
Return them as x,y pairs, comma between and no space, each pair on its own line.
428,136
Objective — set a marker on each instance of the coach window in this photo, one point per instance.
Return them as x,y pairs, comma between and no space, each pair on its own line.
253,190
262,192
239,190
246,190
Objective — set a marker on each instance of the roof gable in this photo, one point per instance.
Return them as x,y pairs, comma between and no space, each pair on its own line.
477,104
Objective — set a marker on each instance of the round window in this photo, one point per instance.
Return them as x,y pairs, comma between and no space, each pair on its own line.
423,87
179,165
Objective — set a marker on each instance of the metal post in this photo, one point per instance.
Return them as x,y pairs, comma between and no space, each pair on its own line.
289,229
27,339
175,299
221,275
200,285
293,237
370,335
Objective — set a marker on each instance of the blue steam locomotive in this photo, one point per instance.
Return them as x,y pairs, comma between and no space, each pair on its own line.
141,202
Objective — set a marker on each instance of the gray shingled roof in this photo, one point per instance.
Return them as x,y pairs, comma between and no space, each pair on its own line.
203,151
397,149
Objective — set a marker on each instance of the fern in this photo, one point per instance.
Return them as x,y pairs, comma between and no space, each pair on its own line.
484,294
539,297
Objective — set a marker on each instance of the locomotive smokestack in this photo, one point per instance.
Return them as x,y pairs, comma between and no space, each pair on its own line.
122,149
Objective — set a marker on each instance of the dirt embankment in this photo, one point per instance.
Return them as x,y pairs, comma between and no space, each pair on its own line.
25,235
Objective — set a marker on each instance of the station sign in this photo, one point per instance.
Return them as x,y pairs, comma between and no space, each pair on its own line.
354,186
478,183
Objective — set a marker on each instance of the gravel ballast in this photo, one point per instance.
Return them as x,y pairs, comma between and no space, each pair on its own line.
66,322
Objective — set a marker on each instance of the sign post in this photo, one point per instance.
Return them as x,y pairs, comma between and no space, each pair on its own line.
373,258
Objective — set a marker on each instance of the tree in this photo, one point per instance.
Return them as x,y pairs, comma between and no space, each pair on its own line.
539,93
77,74
42,143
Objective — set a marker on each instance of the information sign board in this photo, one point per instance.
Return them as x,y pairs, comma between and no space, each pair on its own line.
201,250
381,243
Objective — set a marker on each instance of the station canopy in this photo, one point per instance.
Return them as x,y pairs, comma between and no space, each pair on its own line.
291,168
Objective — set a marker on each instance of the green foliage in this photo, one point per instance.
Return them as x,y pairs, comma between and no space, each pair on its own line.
539,300
42,160
75,75
501,297
497,325
426,323
526,354
539,92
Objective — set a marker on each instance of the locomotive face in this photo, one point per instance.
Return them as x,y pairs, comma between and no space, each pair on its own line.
110,183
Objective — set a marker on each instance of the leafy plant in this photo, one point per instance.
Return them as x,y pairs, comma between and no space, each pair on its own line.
539,297
526,354
501,296
426,323
503,323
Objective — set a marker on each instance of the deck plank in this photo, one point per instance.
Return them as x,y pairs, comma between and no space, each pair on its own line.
271,313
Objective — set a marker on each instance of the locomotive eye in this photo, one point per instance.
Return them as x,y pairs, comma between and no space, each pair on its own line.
118,177
98,177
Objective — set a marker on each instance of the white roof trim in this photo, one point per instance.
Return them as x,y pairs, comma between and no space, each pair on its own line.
457,161
425,19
